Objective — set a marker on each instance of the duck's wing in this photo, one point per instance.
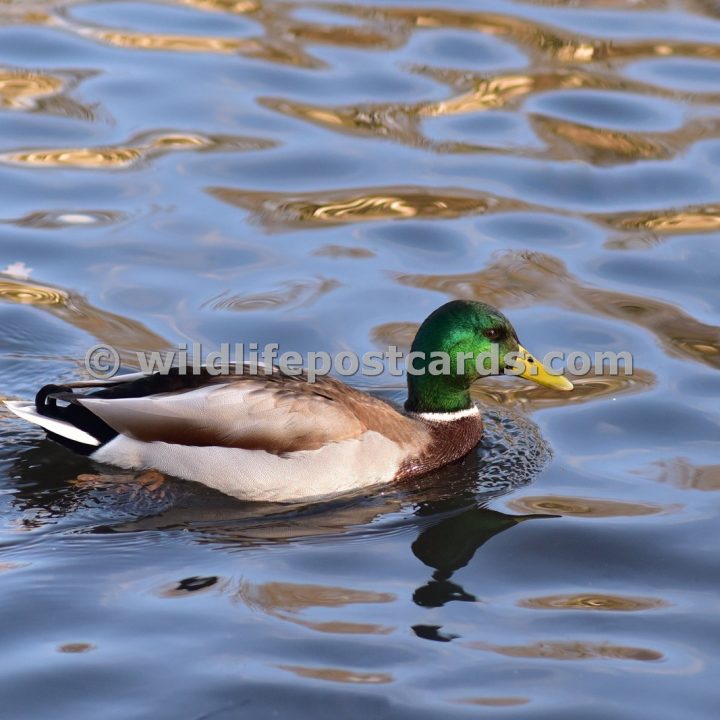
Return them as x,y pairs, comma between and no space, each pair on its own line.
276,413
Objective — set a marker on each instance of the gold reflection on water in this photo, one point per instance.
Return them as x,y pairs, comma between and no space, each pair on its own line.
539,39
367,207
237,7
338,674
595,601
20,89
600,146
177,43
350,36
330,208
140,148
572,651
586,507
689,220
389,121
31,293
683,473
490,94
270,50
40,92
385,27
286,601
293,597
564,140
119,157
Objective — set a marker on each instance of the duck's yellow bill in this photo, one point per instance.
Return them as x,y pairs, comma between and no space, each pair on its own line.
534,370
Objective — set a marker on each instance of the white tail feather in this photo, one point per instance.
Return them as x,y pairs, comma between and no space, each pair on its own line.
27,411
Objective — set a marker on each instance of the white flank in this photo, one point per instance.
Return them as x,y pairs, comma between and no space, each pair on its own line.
27,411
448,416
257,475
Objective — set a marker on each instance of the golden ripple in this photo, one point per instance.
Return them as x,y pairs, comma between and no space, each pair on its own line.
572,651
350,36
596,601
395,122
491,94
362,205
563,139
683,473
272,597
281,26
19,89
600,146
525,278
140,148
176,43
373,206
95,158
178,140
281,50
236,7
338,675
398,122
666,222
34,91
31,293
287,601
540,40
571,506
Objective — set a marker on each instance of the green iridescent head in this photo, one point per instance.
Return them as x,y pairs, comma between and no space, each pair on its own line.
447,347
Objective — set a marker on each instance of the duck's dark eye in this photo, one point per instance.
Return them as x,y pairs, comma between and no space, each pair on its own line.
492,333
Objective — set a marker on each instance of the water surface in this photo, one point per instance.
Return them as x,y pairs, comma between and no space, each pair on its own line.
323,175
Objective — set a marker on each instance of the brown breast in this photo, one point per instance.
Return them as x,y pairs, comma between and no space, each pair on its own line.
449,441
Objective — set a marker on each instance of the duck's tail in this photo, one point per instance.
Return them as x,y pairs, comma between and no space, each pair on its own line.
69,424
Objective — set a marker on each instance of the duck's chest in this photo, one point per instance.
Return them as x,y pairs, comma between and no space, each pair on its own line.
449,440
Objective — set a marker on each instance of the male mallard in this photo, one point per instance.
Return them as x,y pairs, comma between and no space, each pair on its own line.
278,437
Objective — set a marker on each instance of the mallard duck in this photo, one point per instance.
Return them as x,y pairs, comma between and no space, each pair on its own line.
279,437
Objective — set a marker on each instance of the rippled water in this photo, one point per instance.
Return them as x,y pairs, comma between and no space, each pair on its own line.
324,175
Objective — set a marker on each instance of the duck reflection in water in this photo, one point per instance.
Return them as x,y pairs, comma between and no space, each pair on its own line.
450,545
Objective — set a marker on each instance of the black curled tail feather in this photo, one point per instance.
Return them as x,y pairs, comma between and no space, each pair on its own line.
70,411
46,400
